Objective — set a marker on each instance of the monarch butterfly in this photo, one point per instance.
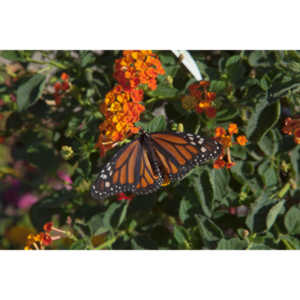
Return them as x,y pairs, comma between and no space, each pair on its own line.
151,161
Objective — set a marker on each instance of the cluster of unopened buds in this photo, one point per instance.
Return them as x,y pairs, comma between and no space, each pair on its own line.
43,239
60,88
292,127
200,99
226,140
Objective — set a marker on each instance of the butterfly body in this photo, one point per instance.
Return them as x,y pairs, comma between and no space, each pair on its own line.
151,161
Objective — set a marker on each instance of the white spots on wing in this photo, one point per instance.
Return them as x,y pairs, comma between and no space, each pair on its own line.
103,176
193,143
203,149
107,184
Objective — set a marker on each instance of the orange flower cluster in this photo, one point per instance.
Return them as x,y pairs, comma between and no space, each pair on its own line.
225,139
42,239
60,87
122,105
200,99
292,126
138,67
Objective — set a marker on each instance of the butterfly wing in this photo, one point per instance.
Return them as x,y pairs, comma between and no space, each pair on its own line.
178,152
130,171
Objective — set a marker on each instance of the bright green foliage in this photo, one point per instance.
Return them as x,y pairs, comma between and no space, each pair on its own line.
254,205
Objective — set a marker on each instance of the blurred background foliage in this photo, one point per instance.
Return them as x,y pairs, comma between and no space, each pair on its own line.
48,157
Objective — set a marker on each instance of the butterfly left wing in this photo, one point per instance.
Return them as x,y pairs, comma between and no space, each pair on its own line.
120,173
178,152
130,170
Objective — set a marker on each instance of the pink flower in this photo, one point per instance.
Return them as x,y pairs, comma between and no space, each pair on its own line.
58,185
13,98
26,200
64,177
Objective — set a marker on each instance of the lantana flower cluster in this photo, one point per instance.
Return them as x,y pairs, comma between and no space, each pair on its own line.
200,99
226,139
60,87
292,127
45,238
134,72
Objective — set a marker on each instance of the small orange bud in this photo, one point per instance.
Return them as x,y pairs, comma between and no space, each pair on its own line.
242,140
233,129
297,136
220,131
48,226
64,76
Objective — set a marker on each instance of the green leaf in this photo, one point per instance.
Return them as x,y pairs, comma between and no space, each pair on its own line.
184,207
256,219
96,224
12,55
269,143
262,120
179,235
115,215
256,246
268,173
232,60
217,86
221,179
273,213
232,244
157,124
167,58
264,84
253,120
209,231
79,245
227,114
239,152
123,212
258,59
295,160
204,189
291,242
164,91
29,92
292,220
84,167
235,69
86,58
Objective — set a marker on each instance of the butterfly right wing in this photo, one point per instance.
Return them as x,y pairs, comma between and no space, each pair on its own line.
180,152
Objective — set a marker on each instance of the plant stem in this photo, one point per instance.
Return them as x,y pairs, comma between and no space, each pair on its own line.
111,241
151,100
